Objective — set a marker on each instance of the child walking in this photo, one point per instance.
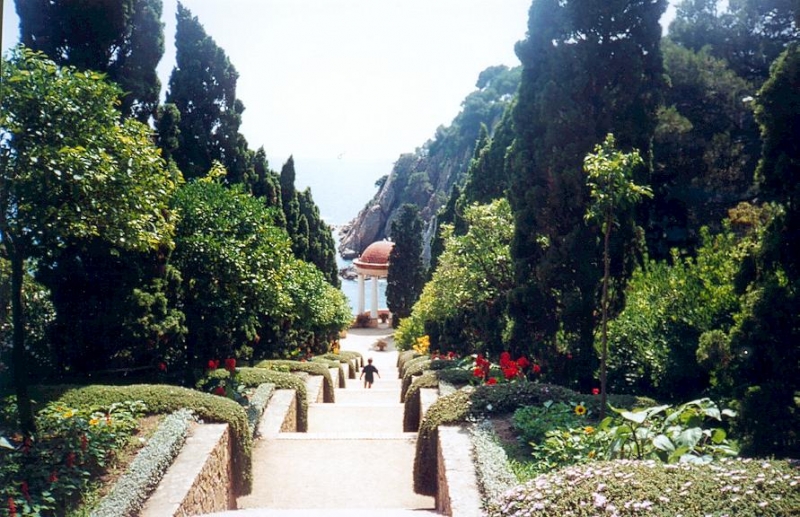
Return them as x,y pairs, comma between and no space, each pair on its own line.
368,374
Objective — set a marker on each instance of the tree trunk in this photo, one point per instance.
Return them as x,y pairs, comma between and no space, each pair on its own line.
27,423
604,303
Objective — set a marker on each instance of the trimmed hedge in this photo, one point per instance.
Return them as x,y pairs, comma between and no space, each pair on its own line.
164,399
333,364
455,376
413,368
354,359
412,405
486,400
258,403
133,488
744,488
312,368
403,358
282,381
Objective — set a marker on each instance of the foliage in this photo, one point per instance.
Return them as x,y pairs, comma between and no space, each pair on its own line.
463,305
585,74
47,474
491,463
311,368
228,386
257,403
203,88
253,377
162,399
655,340
142,476
412,369
412,403
625,487
123,39
71,171
406,275
532,423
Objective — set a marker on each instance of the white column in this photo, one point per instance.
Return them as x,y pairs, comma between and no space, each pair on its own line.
361,294
374,313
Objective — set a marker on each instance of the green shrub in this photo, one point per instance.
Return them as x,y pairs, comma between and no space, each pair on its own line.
532,422
744,488
487,400
449,409
145,472
403,358
354,359
413,368
412,405
330,363
163,399
282,381
312,368
455,376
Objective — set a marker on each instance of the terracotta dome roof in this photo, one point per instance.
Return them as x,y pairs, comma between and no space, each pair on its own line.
377,253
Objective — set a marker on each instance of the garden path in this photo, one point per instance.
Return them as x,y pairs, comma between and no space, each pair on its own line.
355,459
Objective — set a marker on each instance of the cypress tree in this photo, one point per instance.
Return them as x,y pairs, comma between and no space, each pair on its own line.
406,270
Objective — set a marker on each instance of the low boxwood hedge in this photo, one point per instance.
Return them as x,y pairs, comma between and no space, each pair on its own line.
487,400
744,488
412,405
403,358
312,368
413,368
354,359
165,399
282,381
130,492
342,380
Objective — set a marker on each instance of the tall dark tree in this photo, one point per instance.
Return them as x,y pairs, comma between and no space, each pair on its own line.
406,276
121,38
203,88
765,339
289,201
589,68
321,246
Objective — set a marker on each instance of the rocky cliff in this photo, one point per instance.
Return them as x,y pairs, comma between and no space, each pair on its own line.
425,177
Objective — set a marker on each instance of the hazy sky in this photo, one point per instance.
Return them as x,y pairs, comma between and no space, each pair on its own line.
348,83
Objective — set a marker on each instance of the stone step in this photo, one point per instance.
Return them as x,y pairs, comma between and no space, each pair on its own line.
374,396
318,512
315,472
344,418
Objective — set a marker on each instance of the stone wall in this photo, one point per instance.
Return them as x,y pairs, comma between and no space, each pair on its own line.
200,479
457,494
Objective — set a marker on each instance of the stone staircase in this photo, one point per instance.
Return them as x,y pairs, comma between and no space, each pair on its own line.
354,460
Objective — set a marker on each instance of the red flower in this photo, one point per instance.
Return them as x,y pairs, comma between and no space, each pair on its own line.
480,361
537,369
491,381
523,363
230,364
162,366
478,372
84,442
451,355
595,391
511,371
24,489
53,477
12,507
219,390
71,459
213,365
505,359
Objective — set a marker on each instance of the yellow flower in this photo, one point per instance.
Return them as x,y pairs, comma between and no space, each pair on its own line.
68,413
94,421
588,429
591,454
580,410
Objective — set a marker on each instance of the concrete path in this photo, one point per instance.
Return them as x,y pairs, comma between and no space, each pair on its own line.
354,460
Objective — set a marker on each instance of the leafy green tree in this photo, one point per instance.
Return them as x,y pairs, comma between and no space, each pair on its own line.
289,201
609,173
122,38
321,249
463,307
589,69
406,275
233,261
71,170
203,88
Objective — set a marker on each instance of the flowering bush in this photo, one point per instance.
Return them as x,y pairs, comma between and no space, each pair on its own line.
229,386
510,369
46,475
422,345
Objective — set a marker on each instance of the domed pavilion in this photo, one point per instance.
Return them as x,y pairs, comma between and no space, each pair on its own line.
373,263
